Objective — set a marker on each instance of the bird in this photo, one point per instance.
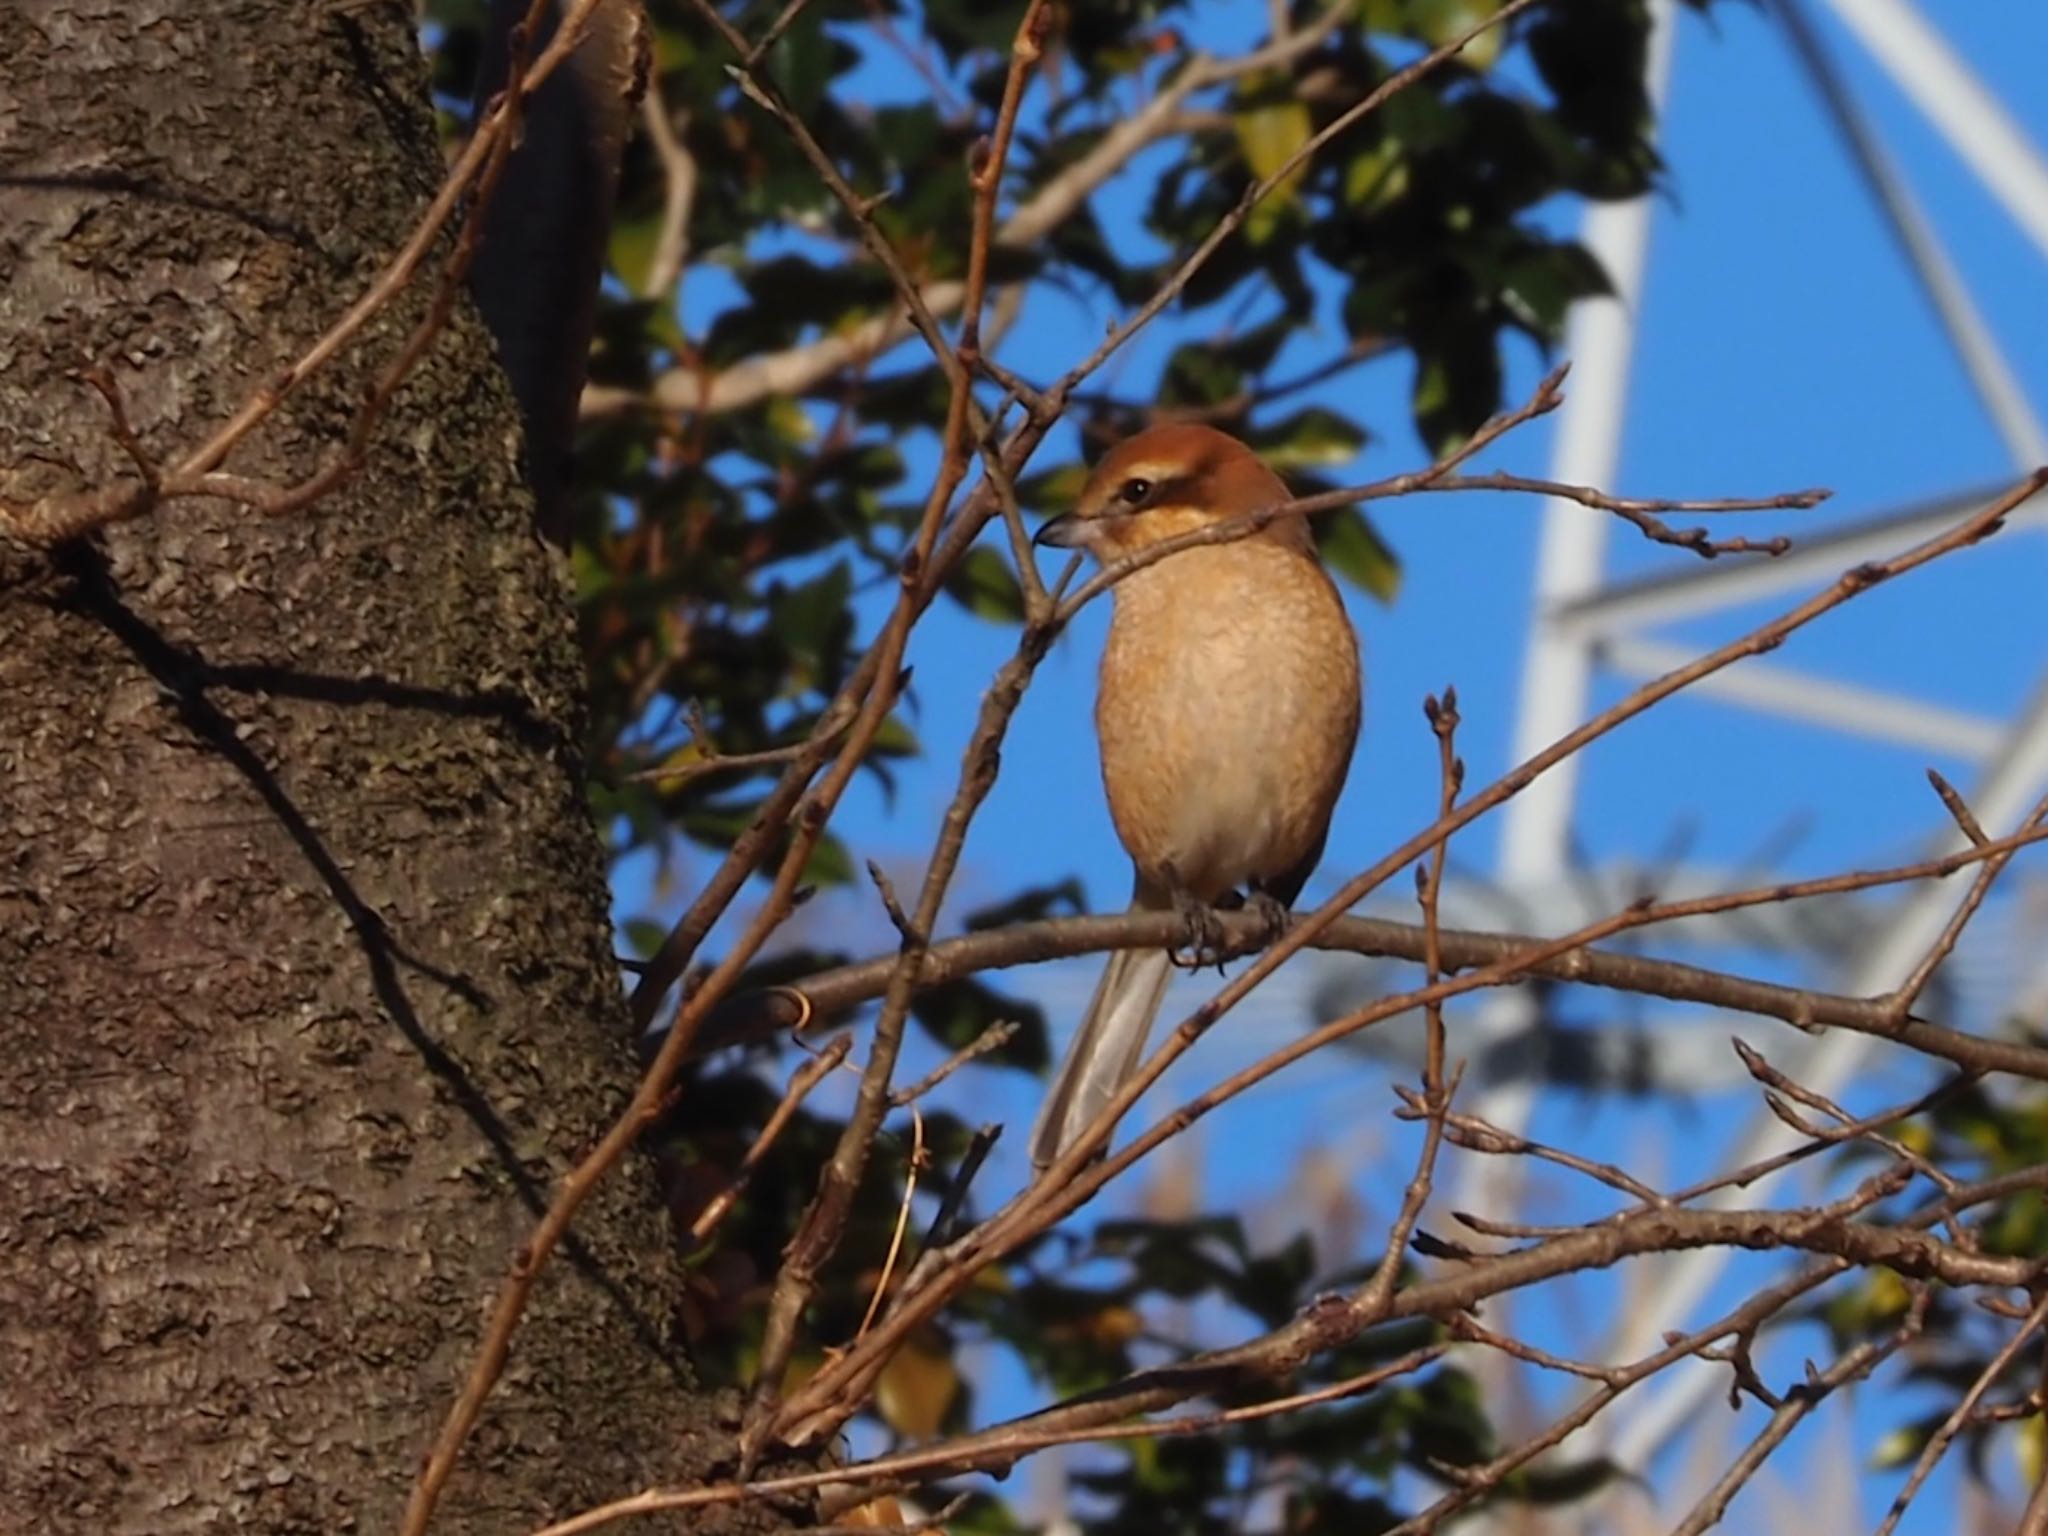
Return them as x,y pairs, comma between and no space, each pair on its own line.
1227,710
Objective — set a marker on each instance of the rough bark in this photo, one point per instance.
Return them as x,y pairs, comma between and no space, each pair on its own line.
305,979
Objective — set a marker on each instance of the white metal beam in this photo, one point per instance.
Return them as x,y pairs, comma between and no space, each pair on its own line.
2005,402
1819,701
1710,588
1557,664
1937,81
2000,800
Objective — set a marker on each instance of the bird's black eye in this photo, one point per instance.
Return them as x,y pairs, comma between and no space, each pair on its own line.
1131,492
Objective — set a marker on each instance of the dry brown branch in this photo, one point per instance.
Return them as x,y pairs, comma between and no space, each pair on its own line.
1801,1400
1433,1104
709,759
755,1016
772,32
2034,1520
1750,1315
834,1391
818,1232
1547,397
1442,476
1476,1135
1823,1137
876,696
1021,1441
59,518
1781,1092
1909,991
994,1038
1643,511
801,1082
1830,1231
1468,1329
1939,1442
918,1160
797,370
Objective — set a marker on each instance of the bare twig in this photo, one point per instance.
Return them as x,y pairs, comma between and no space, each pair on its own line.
1801,1400
1019,1442
2034,1520
796,370
818,1233
1434,1102
801,1082
1078,1176
954,1199
1547,397
1332,1321
916,1166
1476,1135
994,1038
1944,945
1938,1444
57,519
830,993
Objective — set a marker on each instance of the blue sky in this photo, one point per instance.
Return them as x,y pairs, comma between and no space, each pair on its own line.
1782,344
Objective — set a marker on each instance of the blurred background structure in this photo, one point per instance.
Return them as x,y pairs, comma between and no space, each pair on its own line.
1588,620
1582,620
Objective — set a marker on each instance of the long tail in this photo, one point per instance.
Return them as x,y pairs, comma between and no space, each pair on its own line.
1107,1047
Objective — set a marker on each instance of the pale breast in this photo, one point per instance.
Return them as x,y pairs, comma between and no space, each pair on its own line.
1228,709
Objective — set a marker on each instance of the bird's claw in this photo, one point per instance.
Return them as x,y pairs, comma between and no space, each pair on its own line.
1202,936
1271,912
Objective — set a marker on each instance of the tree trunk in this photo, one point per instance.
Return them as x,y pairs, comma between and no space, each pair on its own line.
305,974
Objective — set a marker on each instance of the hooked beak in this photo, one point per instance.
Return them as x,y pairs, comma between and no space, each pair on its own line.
1062,532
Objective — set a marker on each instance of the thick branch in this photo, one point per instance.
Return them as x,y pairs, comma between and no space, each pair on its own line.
831,993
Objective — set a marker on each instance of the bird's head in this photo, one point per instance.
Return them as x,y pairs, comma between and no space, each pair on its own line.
1170,480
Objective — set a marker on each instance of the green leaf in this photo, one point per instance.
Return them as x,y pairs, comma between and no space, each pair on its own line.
1268,134
1353,548
643,935
985,586
829,862
788,420
1053,490
632,248
1564,1484
1312,439
1541,284
813,620
1457,382
1198,374
1377,178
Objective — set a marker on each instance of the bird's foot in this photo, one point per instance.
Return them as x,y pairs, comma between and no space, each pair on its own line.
1271,912
1202,937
